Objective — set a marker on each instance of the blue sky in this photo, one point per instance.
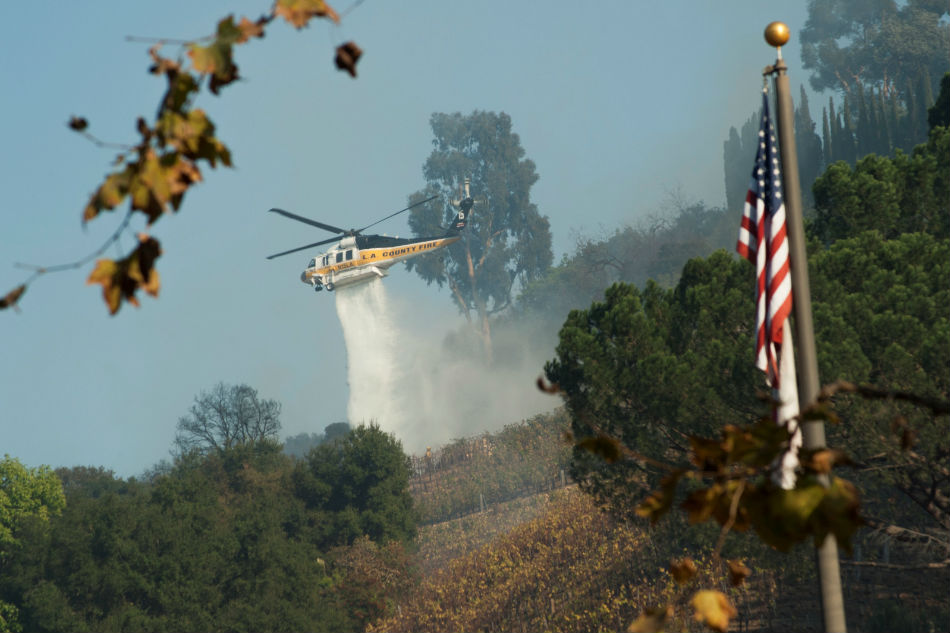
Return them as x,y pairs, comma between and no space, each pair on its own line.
619,104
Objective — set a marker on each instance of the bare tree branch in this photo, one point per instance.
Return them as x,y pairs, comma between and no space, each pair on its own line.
225,417
939,407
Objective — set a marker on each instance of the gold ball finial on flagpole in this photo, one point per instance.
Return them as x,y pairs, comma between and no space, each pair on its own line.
776,34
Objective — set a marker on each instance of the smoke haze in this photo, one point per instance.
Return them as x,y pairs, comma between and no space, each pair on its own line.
427,382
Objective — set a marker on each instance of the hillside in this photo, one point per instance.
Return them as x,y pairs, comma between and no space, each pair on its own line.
569,568
473,473
550,560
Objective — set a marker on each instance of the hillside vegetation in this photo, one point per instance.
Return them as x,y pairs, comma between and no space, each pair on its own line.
556,561
470,473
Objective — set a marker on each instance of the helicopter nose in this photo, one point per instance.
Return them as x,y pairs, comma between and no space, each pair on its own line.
303,277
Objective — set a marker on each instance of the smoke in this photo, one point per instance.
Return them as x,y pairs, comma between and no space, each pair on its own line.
427,382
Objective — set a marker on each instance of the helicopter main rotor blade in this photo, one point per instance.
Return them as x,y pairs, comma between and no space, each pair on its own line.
396,213
294,250
319,225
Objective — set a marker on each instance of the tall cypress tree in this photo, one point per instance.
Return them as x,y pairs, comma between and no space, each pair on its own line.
924,101
864,134
738,154
911,123
847,136
882,123
894,117
826,137
939,114
731,156
835,133
810,161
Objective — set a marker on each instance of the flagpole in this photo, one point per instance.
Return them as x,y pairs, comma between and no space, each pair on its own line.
829,573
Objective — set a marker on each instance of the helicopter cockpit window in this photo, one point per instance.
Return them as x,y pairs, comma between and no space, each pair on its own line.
326,260
339,257
313,262
349,255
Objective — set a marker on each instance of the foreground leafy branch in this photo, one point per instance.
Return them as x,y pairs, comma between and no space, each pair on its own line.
728,481
154,174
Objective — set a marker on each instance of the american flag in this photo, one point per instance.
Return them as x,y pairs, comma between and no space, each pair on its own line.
763,241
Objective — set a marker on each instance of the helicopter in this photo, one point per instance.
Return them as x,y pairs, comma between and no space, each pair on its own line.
358,258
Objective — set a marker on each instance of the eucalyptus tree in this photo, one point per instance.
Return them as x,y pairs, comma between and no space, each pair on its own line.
507,242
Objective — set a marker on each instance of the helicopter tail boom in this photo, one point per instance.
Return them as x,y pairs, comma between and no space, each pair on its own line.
461,218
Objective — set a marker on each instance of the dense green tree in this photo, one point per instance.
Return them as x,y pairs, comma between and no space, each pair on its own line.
881,318
299,445
91,481
26,492
227,416
906,193
27,496
850,44
217,541
652,367
360,484
336,431
507,242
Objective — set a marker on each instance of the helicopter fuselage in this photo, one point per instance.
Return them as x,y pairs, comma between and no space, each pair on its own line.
365,257
357,258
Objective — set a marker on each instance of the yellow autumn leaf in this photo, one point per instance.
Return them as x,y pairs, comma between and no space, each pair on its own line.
683,570
738,572
250,29
651,620
123,278
714,609
104,273
109,194
216,59
299,12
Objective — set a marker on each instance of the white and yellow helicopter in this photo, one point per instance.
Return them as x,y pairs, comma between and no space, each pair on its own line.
357,258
